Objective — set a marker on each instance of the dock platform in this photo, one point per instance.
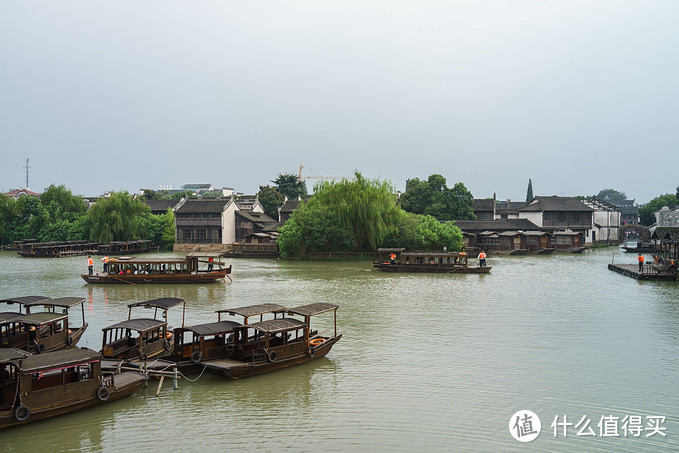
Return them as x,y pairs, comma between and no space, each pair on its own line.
649,272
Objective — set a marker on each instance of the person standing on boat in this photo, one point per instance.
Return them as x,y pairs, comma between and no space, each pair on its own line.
90,265
482,259
210,264
105,261
640,258
393,258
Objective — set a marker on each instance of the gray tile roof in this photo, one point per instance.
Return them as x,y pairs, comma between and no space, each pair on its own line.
485,204
496,225
199,205
542,204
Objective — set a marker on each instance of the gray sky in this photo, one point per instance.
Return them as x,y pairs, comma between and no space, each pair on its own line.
577,95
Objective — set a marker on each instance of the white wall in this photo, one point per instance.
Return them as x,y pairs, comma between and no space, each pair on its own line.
229,223
535,217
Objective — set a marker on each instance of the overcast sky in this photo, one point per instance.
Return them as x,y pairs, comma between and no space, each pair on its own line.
577,95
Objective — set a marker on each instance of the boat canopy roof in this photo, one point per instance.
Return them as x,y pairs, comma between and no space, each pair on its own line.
24,300
140,325
65,302
130,260
313,309
59,359
8,316
213,328
433,254
204,255
253,310
39,319
164,303
9,354
391,250
274,326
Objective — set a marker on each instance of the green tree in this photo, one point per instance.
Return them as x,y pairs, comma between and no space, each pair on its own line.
529,191
612,196
417,232
119,217
160,229
271,200
290,185
646,211
432,197
365,207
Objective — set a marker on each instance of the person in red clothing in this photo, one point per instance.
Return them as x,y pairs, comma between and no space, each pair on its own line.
90,265
640,258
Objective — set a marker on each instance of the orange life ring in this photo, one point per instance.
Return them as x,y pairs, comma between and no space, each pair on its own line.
317,341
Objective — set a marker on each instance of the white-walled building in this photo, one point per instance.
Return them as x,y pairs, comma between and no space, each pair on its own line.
605,222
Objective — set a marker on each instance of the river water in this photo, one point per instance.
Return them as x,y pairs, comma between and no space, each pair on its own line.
426,362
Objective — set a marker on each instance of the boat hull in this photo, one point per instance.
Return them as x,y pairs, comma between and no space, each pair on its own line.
125,385
431,268
207,277
232,369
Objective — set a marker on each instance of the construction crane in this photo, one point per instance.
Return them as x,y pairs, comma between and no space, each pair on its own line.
302,178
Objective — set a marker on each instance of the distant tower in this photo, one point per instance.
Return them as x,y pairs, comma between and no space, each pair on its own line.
26,167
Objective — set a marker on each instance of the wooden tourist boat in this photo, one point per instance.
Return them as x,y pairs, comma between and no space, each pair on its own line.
125,247
141,338
198,344
43,331
436,262
57,249
642,247
277,343
41,386
194,268
20,301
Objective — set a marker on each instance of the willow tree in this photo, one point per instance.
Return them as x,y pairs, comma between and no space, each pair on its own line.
119,217
367,208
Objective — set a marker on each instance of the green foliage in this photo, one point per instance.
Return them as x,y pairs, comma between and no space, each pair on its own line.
314,229
290,185
365,207
119,217
160,229
434,198
360,215
646,216
271,199
417,232
62,204
612,196
529,191
210,194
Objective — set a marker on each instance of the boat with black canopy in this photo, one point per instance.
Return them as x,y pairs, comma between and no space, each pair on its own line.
198,344
36,387
142,338
195,267
276,343
399,260
43,331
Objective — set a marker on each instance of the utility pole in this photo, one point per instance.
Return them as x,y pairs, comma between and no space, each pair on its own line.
26,166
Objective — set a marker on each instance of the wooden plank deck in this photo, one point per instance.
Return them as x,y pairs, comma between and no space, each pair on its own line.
649,272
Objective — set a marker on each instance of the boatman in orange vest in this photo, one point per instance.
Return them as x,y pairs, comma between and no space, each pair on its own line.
641,262
90,264
210,264
482,259
393,258
105,261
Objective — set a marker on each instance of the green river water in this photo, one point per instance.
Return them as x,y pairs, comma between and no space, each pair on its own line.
426,362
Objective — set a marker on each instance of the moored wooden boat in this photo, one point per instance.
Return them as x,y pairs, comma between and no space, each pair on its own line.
433,262
197,267
198,344
277,343
45,331
141,338
42,386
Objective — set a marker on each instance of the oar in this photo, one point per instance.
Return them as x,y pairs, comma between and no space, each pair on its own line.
124,281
